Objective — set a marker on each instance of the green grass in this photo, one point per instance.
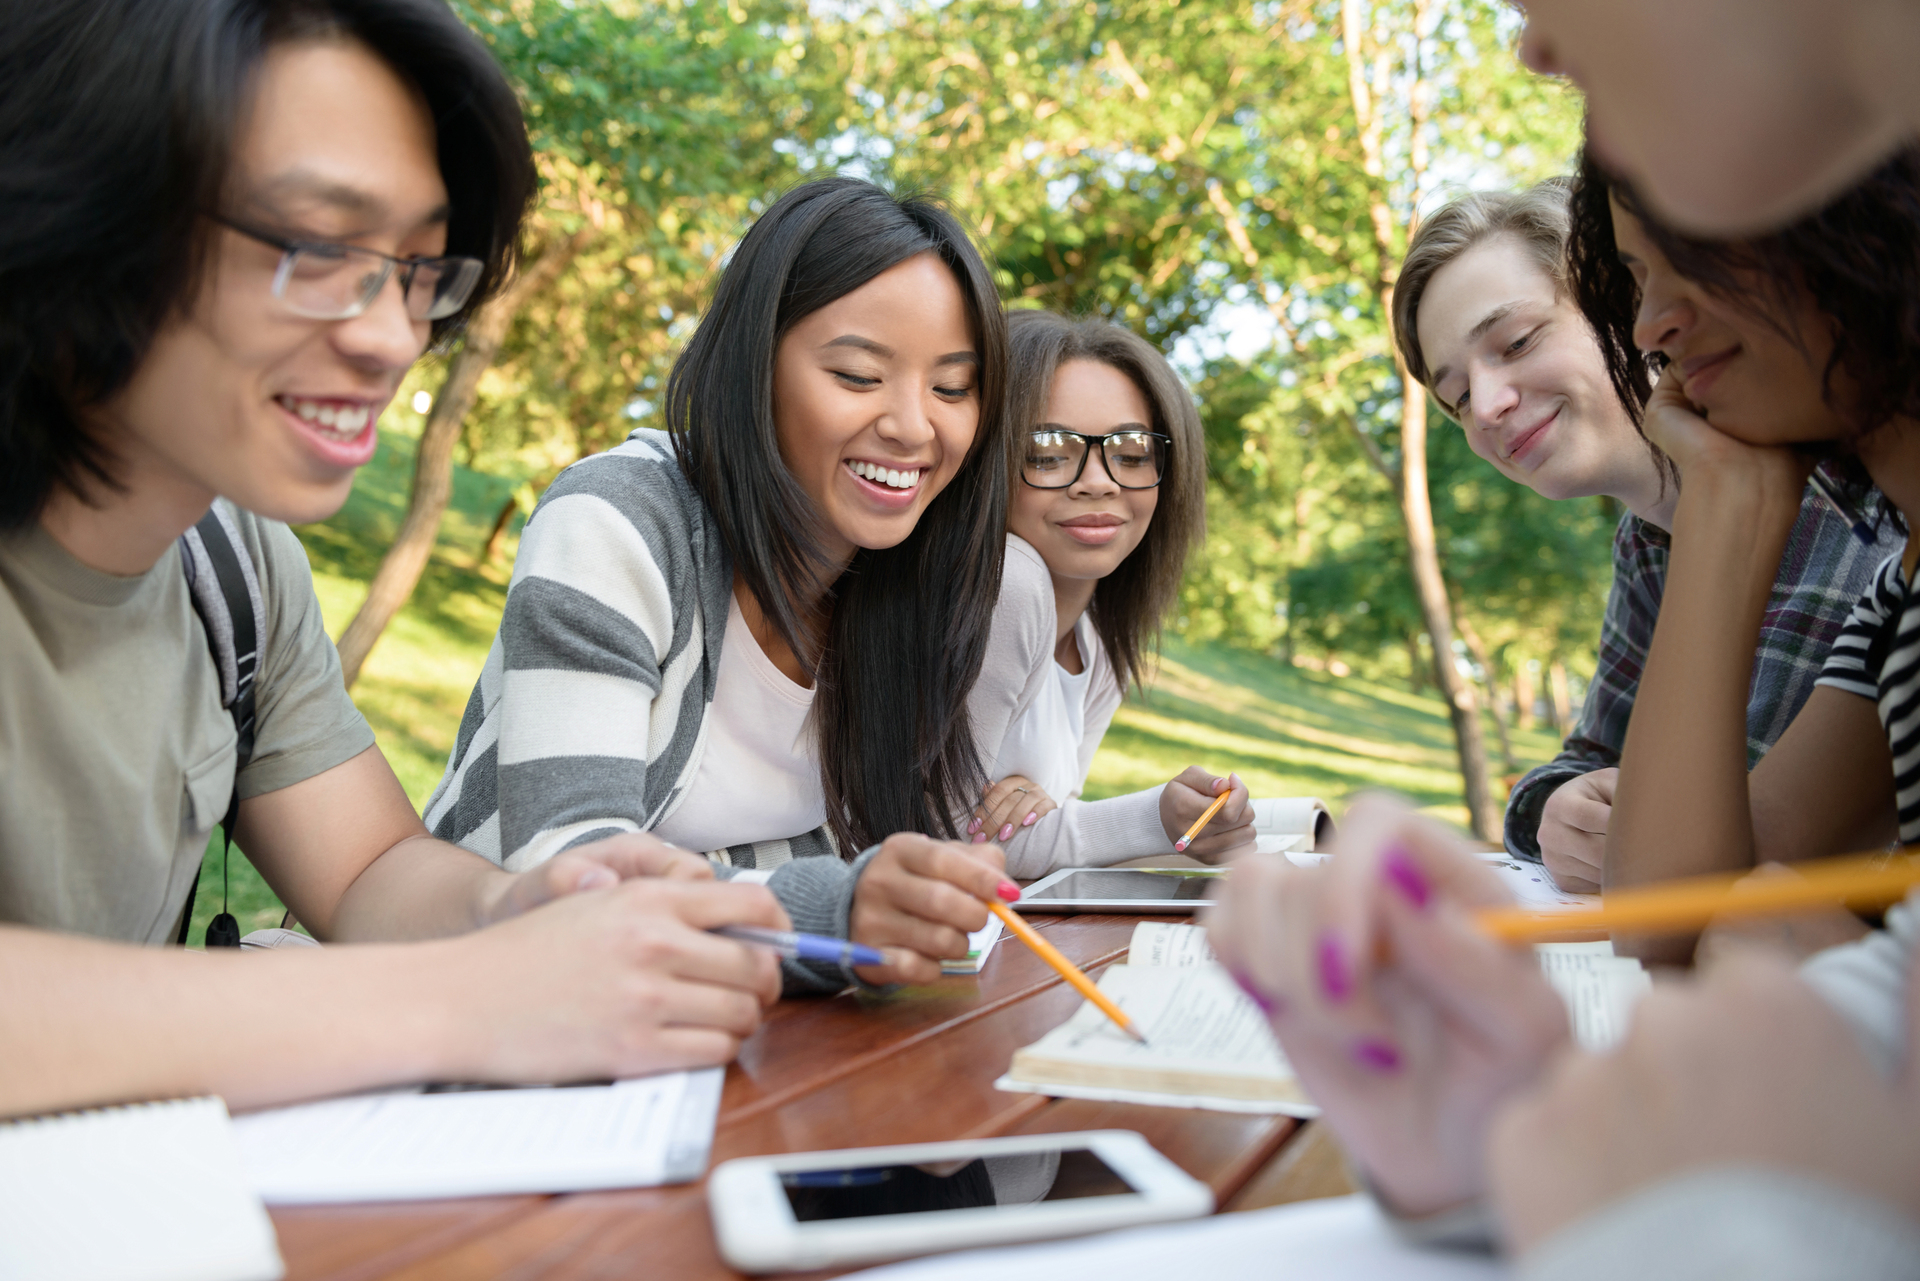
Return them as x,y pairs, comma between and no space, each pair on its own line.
1288,732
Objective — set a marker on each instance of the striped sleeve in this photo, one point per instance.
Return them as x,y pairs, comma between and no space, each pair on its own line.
589,708
1850,664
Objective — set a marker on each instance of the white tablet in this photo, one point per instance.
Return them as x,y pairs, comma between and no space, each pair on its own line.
862,1205
1121,889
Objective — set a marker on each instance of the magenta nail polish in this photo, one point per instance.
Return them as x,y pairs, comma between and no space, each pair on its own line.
1006,831
1335,981
1269,1006
1377,1055
1008,891
1401,872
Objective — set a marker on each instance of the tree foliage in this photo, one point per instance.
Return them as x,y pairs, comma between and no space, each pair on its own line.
1226,177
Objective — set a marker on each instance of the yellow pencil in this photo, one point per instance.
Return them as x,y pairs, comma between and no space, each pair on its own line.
1180,846
1856,880
1067,969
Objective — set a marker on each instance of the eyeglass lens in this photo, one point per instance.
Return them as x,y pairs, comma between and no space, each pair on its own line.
334,283
1055,459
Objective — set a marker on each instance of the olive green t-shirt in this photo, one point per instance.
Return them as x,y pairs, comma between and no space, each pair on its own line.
116,758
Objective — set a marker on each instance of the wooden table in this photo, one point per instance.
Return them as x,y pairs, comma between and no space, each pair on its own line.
844,1071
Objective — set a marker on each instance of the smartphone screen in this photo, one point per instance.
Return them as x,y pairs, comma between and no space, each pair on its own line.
860,1192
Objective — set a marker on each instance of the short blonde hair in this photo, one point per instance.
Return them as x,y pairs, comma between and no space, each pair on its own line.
1538,218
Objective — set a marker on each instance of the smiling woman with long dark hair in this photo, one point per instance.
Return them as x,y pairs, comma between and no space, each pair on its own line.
758,633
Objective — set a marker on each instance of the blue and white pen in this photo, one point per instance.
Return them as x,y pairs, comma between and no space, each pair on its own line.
804,947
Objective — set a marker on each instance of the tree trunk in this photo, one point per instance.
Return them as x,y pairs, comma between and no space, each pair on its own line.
498,532
1478,650
400,569
1430,588
1416,507
1561,696
1524,694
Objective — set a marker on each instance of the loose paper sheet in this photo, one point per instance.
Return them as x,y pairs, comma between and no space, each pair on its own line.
148,1192
1600,989
407,1146
1337,1239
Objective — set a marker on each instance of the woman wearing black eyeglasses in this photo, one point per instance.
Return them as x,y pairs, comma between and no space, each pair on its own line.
1110,490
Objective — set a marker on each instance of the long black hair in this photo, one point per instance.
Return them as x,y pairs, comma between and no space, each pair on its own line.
117,122
908,627
1857,260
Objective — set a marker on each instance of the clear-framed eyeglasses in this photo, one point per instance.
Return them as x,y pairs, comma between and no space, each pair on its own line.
1054,458
323,281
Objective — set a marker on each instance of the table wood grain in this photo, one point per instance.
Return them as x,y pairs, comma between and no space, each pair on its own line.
853,1070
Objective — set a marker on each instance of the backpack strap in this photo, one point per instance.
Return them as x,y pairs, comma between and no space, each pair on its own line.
226,595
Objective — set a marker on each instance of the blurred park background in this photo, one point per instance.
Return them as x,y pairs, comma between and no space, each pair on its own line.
1233,179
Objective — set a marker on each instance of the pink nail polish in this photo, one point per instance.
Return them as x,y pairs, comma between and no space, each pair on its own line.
1377,1055
1030,820
973,826
1335,981
980,838
1404,875
1006,831
1008,891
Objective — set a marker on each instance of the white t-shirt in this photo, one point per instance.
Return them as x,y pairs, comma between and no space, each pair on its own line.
759,774
1046,743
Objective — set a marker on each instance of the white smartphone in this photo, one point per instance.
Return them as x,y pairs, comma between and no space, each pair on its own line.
862,1205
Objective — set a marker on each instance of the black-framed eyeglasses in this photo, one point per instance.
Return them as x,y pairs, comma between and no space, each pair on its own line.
1054,457
324,281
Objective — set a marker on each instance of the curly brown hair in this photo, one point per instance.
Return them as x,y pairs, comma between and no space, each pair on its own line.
1857,260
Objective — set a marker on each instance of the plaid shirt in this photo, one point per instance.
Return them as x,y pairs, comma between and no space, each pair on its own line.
1822,575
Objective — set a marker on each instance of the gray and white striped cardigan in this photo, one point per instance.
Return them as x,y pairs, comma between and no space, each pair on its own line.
590,714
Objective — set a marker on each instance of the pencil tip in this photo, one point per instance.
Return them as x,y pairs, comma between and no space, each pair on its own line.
1137,1035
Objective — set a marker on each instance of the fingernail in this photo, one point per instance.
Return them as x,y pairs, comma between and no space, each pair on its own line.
974,826
1377,1055
980,838
1334,979
1006,831
1030,819
1008,891
1268,1005
597,878
1399,869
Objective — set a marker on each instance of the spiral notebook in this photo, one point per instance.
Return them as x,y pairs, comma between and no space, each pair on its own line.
147,1192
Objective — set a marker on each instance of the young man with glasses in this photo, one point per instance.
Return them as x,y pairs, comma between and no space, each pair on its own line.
1110,491
227,228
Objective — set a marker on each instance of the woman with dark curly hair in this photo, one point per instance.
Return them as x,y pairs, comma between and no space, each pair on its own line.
1773,351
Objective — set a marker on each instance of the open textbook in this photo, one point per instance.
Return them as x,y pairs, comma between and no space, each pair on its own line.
409,1145
1337,1239
1210,1047
1282,824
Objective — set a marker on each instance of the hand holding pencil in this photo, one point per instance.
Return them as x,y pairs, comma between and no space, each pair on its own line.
1207,817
